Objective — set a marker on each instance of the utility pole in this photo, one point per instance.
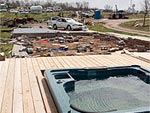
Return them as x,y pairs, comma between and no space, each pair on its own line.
116,9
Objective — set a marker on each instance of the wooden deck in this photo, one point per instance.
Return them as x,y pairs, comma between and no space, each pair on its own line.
23,89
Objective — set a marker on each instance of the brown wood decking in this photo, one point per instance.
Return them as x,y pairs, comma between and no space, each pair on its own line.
23,88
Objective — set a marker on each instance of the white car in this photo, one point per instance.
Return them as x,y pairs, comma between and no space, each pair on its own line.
52,20
49,10
67,23
13,11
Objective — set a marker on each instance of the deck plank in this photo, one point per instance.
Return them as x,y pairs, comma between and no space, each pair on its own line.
64,64
134,61
57,63
77,61
69,62
100,64
117,60
111,61
23,88
88,62
3,78
1,65
41,64
73,62
83,62
7,104
102,60
46,63
51,62
37,99
96,64
46,95
125,60
18,99
27,93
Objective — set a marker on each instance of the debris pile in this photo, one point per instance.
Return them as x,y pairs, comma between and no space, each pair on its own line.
68,45
137,45
2,56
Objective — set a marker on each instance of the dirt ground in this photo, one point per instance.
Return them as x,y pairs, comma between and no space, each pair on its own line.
86,45
114,24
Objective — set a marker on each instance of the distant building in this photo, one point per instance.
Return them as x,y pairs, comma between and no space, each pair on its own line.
36,9
3,7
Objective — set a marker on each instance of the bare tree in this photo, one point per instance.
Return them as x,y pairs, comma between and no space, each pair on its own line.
85,5
108,8
78,5
146,9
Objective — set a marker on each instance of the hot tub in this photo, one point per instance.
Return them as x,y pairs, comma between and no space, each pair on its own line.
121,89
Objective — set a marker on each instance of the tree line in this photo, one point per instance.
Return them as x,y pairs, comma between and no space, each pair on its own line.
49,3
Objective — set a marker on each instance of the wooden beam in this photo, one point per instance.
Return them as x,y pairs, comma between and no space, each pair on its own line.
7,104
75,61
18,99
63,63
51,62
41,63
3,78
70,63
46,95
36,95
28,104
57,63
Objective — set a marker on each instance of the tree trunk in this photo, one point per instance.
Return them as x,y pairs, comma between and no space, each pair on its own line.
144,19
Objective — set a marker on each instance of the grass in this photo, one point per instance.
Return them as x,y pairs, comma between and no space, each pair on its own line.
6,48
11,16
8,15
139,15
5,34
99,27
131,25
6,28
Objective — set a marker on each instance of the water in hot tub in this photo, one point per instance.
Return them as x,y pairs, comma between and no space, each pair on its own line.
114,93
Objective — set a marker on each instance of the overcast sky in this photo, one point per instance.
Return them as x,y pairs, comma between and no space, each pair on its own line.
122,4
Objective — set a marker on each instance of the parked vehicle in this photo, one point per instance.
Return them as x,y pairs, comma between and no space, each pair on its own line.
66,23
36,9
13,11
118,14
52,20
49,10
83,14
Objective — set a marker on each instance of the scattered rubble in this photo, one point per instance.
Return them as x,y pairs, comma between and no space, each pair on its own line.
2,56
19,51
113,49
70,45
